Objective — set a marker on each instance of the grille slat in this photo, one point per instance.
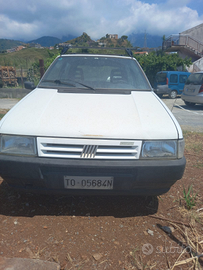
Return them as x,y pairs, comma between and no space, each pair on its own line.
88,149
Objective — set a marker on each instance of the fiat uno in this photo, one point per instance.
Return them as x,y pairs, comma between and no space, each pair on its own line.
92,126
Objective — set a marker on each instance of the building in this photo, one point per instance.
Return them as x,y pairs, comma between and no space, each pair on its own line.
189,44
139,53
114,36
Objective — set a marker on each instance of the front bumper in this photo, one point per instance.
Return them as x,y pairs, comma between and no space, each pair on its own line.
193,99
162,90
46,175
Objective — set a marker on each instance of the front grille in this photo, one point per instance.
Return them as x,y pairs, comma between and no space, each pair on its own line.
88,149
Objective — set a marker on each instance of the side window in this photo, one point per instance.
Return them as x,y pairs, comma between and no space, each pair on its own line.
173,78
183,78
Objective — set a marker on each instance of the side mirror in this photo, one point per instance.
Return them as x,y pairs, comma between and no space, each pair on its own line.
29,85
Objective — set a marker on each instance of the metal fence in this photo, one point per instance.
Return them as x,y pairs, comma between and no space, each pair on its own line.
186,41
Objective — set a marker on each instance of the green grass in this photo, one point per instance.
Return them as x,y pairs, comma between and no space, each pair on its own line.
25,58
1,116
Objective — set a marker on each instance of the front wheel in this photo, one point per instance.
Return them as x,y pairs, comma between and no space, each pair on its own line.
173,94
189,104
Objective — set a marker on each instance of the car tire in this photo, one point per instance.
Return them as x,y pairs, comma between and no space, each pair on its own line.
160,95
173,94
189,104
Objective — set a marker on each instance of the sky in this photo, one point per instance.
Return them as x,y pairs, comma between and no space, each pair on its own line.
30,19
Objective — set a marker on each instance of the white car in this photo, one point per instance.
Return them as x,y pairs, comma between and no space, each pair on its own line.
193,89
93,125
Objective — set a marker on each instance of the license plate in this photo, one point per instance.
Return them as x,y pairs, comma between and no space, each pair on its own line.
88,182
191,90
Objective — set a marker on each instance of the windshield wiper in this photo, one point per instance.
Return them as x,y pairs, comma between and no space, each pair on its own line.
59,82
69,84
87,86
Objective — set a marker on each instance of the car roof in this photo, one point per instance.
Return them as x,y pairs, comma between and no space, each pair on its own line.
201,71
95,55
86,50
173,71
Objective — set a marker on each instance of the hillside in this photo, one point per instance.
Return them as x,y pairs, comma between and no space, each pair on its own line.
83,40
46,41
25,58
135,40
6,44
86,41
113,42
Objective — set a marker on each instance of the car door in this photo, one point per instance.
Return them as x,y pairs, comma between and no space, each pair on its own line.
173,82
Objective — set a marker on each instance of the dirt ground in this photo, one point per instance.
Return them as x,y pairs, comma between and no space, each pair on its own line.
109,232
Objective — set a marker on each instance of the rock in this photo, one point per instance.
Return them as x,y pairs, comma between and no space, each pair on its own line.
167,229
150,232
21,263
29,251
97,256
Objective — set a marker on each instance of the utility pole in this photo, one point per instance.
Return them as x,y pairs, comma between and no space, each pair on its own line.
145,40
41,66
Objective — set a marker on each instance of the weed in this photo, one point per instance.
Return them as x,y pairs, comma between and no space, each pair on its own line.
197,147
3,112
138,261
198,165
1,115
189,197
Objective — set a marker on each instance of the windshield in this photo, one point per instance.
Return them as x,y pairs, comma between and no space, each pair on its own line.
195,78
94,72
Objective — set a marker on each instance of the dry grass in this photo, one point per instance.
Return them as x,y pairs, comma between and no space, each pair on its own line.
193,244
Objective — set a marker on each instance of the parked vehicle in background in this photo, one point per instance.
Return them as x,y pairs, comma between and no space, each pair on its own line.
170,83
193,90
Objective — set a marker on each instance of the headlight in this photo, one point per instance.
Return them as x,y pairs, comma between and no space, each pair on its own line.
170,149
18,145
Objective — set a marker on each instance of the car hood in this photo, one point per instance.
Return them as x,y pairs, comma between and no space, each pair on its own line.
46,112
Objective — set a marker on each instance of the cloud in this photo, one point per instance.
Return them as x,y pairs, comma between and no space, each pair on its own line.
28,20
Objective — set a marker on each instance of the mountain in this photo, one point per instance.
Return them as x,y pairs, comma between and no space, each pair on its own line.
83,40
6,44
145,40
107,41
67,38
114,41
137,40
46,41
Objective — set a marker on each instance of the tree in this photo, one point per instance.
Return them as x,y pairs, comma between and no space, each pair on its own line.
155,62
124,37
